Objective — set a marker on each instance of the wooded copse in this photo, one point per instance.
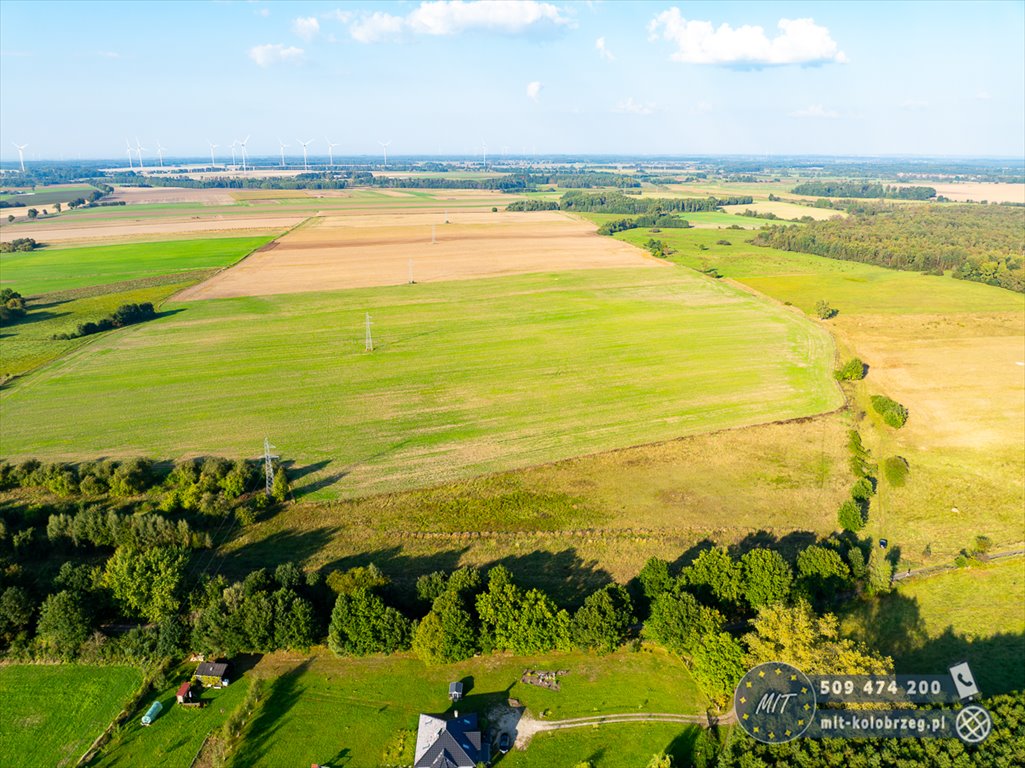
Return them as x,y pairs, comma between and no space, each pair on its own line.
849,188
980,243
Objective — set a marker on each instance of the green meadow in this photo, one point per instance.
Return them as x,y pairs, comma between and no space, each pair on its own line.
466,378
803,279
59,269
972,614
57,193
51,714
364,705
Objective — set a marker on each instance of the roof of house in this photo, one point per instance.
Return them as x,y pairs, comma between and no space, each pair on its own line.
453,743
184,689
455,688
212,669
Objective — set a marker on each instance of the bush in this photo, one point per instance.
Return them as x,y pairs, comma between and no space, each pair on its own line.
723,242
852,370
851,516
896,470
824,311
893,413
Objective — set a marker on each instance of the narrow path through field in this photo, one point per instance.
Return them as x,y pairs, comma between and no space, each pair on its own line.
935,570
528,726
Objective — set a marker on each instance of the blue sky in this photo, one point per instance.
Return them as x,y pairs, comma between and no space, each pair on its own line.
919,78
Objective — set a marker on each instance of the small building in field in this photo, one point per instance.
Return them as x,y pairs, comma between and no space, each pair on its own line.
186,693
212,674
151,714
455,691
450,742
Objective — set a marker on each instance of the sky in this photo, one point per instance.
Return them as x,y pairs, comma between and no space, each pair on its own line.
684,78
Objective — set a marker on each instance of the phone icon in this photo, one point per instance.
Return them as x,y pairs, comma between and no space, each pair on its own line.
964,680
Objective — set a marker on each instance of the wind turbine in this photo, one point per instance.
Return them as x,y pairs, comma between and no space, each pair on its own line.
160,152
282,146
243,145
384,146
128,145
306,164
484,150
138,151
234,143
330,151
212,148
21,155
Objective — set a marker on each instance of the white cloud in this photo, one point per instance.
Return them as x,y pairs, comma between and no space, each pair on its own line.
273,53
306,27
631,107
983,96
800,41
816,111
109,54
603,49
451,17
338,15
265,12
914,105
375,27
701,108
534,90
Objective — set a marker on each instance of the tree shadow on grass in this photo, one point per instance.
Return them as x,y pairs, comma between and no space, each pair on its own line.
283,692
565,576
287,546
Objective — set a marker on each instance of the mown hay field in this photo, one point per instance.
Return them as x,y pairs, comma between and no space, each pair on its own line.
467,377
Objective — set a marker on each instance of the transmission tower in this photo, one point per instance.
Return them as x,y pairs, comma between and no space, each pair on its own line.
370,339
268,464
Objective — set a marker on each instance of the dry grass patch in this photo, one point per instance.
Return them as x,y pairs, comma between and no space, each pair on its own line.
150,195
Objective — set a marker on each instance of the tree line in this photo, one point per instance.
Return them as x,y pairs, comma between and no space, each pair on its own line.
126,314
617,202
848,188
980,243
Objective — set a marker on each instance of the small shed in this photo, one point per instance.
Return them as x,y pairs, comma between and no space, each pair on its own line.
151,714
185,694
212,674
455,691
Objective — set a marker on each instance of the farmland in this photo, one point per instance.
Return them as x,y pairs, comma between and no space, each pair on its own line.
927,340
548,367
60,269
359,251
52,714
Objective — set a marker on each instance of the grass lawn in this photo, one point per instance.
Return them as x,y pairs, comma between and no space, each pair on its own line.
176,735
360,706
466,378
974,614
28,344
50,269
50,715
619,745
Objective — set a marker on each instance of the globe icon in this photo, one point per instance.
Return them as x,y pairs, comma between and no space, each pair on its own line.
973,724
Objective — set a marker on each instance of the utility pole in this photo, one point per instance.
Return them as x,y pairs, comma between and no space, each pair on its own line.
411,280
370,339
268,464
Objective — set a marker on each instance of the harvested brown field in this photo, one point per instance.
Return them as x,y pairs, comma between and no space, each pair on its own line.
993,192
366,250
105,231
149,195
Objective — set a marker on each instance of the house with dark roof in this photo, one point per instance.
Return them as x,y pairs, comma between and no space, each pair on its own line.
212,674
455,742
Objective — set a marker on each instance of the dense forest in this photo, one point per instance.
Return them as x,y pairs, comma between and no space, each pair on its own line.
616,202
863,189
980,243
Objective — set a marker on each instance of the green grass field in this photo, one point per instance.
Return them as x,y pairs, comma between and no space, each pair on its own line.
175,737
802,279
28,344
58,193
974,614
51,269
467,377
50,715
360,705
